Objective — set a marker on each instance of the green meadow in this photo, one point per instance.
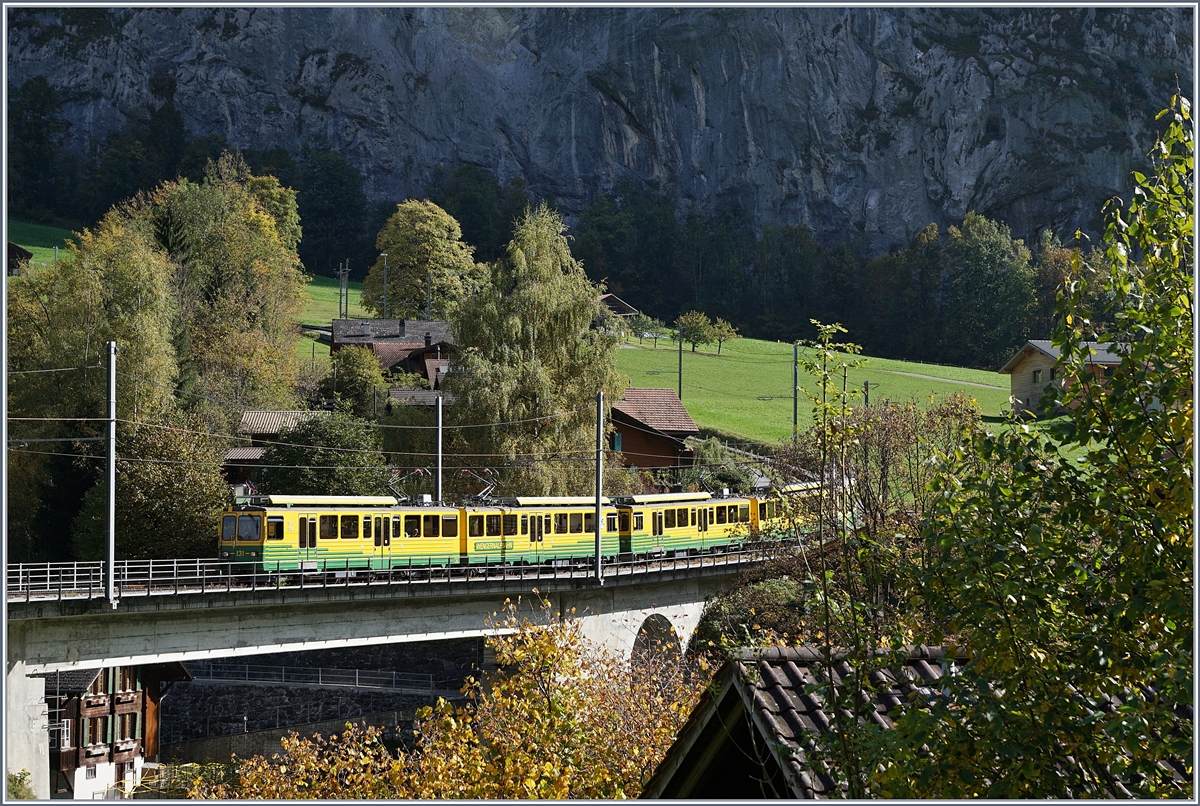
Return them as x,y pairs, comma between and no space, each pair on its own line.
721,391
39,239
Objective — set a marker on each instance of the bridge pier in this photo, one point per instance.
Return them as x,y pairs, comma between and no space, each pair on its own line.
26,719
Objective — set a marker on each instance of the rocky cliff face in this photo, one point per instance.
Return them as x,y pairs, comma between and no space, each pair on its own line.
862,120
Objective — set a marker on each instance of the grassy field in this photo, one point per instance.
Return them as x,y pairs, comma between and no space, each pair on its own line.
39,239
323,308
721,392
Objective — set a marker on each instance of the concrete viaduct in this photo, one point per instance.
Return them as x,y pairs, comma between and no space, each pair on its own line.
47,634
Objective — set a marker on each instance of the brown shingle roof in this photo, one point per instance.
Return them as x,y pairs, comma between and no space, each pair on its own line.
420,397
392,353
658,409
244,454
267,423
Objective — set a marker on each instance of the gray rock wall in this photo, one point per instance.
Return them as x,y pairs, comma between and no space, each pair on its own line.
875,121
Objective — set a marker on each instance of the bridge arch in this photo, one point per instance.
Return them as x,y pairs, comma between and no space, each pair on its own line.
657,639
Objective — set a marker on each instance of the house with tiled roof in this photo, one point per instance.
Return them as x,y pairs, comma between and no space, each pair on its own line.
650,427
1038,365
421,347
760,728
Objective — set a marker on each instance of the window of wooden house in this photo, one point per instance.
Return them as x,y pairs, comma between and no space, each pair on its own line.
431,526
127,678
449,526
412,525
1037,376
228,527
127,727
275,527
1053,373
328,526
249,527
1108,371
349,527
89,772
95,731
475,526
100,684
510,525
493,525
64,734
669,519
576,523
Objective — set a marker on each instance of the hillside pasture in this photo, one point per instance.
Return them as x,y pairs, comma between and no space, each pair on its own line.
721,391
39,239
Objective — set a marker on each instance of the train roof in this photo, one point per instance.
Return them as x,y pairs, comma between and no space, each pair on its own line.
332,501
799,487
558,500
665,498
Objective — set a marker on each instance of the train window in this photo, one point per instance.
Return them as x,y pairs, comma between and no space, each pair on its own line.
624,521
449,526
771,510
430,525
510,524
720,514
610,523
228,527
639,521
711,517
349,527
379,524
545,526
560,523
589,522
412,525
396,526
693,516
367,528
762,511
275,528
475,526
576,523
683,516
249,527
524,524
669,518
744,513
493,525
328,526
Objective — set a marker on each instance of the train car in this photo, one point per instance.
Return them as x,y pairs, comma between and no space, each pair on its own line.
307,533
668,523
773,506
539,530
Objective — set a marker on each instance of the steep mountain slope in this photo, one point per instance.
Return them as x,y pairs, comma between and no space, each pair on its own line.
870,120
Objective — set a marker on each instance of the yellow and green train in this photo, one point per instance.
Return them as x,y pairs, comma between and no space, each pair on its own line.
311,533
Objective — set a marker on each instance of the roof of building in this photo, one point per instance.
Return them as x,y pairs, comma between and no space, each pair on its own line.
420,397
657,409
69,682
775,688
266,423
392,353
618,306
368,331
1103,353
435,368
244,454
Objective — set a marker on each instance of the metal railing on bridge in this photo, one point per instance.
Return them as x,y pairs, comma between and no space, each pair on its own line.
378,679
137,578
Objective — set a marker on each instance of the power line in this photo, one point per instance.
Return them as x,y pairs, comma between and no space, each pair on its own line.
60,369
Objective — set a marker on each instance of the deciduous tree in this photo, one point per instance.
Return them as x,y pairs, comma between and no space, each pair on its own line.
696,328
424,245
722,332
356,378
331,454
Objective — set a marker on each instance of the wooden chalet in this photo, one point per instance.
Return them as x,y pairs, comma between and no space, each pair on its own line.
650,426
618,306
1038,365
421,347
18,259
104,726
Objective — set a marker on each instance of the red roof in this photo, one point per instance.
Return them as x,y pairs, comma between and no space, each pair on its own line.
389,354
658,409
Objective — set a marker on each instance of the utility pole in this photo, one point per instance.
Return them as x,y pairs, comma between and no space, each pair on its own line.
681,366
795,388
111,552
428,295
599,485
437,484
385,286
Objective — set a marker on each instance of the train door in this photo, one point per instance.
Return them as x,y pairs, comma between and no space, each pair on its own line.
625,532
656,529
381,539
307,540
536,528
